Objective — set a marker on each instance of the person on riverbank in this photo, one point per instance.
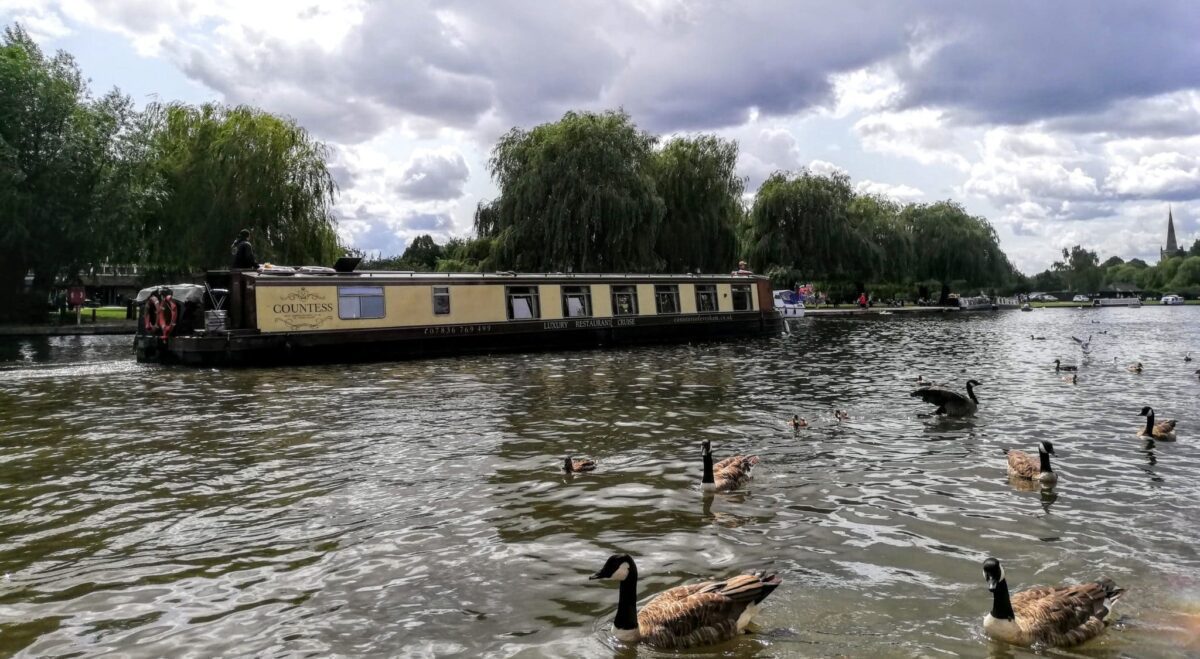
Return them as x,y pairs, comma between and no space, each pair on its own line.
862,300
243,252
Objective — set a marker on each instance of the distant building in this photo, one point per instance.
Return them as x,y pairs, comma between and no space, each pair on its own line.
1172,248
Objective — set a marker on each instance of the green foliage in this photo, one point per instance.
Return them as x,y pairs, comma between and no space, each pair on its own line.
1112,260
701,194
1187,273
949,244
223,169
802,223
67,167
1080,269
578,194
422,253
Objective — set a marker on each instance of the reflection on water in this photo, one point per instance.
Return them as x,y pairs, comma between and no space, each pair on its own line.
421,506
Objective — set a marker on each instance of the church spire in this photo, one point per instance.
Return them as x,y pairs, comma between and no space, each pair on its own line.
1172,246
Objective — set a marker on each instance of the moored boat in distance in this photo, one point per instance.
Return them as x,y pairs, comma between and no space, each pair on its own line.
788,304
1171,299
1117,302
291,316
977,303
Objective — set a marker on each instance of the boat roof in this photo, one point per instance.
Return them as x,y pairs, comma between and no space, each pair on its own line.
399,275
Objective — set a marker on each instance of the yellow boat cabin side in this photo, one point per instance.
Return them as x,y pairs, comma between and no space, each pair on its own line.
268,317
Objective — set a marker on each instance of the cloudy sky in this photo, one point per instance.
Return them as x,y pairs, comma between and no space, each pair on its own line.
1062,122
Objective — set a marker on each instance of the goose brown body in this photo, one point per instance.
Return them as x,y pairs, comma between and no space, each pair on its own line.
1035,468
577,466
1054,616
1161,430
686,616
729,474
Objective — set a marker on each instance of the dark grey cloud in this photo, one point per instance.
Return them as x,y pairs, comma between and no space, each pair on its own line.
434,176
706,65
435,222
1015,62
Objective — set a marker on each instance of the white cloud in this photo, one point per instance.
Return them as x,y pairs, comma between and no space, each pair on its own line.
899,192
922,135
430,175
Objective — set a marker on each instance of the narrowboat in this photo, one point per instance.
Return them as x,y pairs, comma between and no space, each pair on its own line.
282,316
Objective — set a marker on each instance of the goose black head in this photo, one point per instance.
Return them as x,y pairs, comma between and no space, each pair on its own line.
706,447
567,465
973,383
616,568
1146,411
993,572
1046,447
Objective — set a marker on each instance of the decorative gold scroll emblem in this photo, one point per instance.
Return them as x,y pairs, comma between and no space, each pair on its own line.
303,309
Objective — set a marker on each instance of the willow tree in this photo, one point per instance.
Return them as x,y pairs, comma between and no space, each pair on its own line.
702,194
803,222
575,195
223,169
66,172
951,245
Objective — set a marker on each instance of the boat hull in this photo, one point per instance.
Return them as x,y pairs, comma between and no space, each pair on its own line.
253,348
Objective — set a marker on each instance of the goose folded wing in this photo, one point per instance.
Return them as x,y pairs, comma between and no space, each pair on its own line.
688,618
739,462
1024,465
1164,427
1065,615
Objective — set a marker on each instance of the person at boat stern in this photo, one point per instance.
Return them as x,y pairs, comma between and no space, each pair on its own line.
243,252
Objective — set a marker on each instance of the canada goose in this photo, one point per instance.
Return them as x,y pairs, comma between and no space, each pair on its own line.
685,616
1055,616
1058,366
1187,357
577,466
950,403
1163,430
1085,346
841,415
797,423
1134,368
729,474
1023,465
1074,379
1037,338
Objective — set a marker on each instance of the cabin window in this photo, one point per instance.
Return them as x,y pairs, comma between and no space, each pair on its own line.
577,301
624,300
355,302
741,297
706,298
666,296
522,302
441,300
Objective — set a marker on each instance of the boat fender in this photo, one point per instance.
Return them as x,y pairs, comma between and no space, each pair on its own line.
168,315
150,314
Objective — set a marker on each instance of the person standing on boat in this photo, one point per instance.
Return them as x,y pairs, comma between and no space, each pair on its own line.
243,252
742,269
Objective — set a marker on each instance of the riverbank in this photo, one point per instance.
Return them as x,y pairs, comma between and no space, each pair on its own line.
117,327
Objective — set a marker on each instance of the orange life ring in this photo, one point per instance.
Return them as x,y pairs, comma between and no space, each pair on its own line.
150,314
168,307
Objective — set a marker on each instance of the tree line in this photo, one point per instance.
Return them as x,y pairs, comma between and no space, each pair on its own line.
594,193
86,181
1081,271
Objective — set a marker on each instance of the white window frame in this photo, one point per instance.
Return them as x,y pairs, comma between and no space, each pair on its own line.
350,301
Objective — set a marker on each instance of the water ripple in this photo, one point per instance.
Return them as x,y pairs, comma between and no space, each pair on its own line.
419,508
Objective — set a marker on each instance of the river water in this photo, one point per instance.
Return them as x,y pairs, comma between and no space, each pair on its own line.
417,508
